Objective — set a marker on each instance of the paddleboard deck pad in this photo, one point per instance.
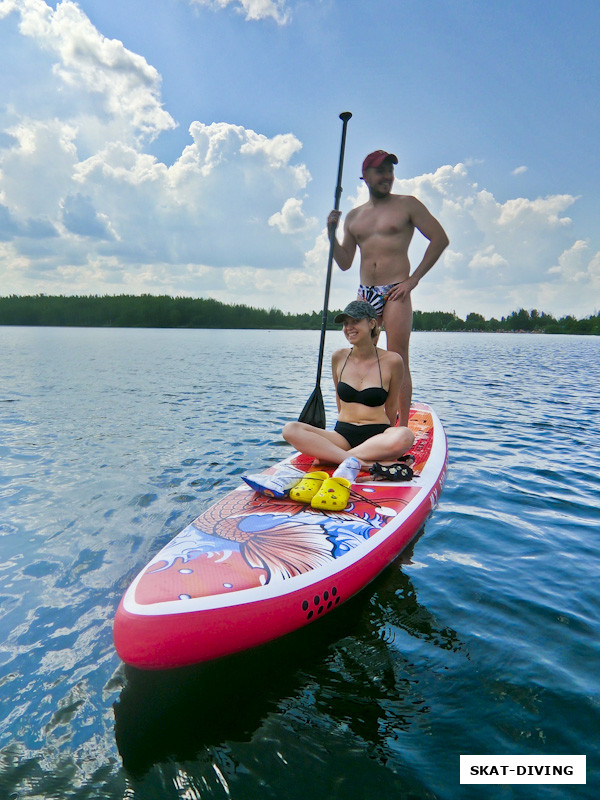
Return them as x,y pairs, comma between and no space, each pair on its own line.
251,568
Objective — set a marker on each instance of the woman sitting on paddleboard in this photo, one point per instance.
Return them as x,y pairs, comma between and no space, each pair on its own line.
367,381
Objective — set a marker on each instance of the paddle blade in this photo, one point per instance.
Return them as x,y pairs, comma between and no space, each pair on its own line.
313,412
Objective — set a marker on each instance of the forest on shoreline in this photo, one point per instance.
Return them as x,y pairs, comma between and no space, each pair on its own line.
163,311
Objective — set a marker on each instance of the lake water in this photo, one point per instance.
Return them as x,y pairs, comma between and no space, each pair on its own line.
483,639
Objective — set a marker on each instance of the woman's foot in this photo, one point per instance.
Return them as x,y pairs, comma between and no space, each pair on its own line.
349,469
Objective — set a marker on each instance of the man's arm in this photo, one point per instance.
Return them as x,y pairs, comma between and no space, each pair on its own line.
431,229
396,377
344,252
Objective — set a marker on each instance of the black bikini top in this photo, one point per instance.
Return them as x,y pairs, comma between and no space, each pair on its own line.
373,396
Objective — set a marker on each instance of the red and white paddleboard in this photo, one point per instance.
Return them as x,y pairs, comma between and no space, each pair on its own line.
251,569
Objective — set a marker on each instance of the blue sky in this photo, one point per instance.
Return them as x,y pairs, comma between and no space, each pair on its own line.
190,147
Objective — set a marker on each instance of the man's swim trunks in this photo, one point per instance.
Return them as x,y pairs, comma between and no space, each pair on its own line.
376,295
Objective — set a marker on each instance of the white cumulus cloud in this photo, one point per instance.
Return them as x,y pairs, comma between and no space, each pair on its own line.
86,208
518,253
253,9
107,83
291,218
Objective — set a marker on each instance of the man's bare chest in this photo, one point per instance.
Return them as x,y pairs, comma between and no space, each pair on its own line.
377,223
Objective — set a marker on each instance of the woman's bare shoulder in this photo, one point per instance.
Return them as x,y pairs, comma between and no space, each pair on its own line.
339,354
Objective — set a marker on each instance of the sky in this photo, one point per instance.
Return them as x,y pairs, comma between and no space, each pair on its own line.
190,147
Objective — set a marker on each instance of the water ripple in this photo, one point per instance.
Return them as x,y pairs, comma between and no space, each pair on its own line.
483,638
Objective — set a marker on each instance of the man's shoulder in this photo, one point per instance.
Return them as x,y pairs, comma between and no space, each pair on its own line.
392,199
408,204
405,199
356,210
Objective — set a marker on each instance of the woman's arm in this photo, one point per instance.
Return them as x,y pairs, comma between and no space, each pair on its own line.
335,364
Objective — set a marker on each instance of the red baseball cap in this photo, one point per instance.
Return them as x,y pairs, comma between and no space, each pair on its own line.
377,158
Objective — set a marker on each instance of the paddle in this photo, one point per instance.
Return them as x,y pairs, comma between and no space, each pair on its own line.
314,411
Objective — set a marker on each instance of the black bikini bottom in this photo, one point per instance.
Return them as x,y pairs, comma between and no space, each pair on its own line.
357,434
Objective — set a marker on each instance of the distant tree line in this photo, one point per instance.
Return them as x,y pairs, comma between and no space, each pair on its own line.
152,311
145,311
520,321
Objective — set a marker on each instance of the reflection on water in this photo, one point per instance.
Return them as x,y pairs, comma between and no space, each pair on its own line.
340,671
484,639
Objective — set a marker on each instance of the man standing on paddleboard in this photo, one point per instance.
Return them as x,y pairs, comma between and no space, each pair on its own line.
382,228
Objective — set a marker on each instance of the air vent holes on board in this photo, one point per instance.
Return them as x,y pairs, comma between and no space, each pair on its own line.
320,603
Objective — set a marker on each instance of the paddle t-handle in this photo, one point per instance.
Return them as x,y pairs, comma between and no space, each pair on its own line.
345,116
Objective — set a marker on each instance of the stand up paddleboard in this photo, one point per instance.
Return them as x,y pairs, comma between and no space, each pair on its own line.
251,569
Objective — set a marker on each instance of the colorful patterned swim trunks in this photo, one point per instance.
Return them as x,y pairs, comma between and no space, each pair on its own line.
376,295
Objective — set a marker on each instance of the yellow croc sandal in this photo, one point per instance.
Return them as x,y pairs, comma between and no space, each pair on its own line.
310,484
333,495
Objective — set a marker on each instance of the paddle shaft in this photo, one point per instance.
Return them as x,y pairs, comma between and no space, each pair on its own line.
345,116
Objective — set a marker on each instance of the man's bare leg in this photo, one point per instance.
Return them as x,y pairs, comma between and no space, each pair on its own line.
397,318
